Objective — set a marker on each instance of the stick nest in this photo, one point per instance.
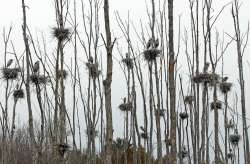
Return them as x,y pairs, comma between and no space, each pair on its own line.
38,79
189,99
210,78
128,62
225,87
234,139
62,74
183,115
160,111
93,70
10,73
62,148
125,106
61,33
91,132
216,105
151,54
18,93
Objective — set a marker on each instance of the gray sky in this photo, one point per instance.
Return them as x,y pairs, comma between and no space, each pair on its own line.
41,18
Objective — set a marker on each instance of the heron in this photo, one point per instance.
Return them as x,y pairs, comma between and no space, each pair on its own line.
156,43
9,62
36,66
149,43
91,60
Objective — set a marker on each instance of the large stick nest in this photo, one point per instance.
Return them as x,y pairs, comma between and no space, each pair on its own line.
151,54
225,87
125,106
10,73
210,78
234,139
93,70
216,105
183,115
18,93
38,79
61,33
144,135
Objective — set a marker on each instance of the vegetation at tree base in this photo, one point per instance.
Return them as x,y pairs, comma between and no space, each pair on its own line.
68,93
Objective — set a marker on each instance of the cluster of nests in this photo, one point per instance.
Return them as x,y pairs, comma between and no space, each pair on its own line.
61,33
152,51
212,78
93,69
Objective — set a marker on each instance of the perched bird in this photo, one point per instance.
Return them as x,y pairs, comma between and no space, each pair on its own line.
149,43
156,43
36,66
206,67
9,62
124,100
142,128
91,60
224,79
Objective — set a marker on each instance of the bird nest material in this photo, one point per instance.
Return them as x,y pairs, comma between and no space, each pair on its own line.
18,93
225,87
183,115
38,79
10,73
151,54
62,74
62,148
61,33
230,155
128,62
125,106
93,70
210,78
160,111
184,153
216,105
144,135
234,139
189,99
229,125
91,132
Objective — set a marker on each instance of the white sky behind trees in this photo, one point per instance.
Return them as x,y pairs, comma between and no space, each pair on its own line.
41,18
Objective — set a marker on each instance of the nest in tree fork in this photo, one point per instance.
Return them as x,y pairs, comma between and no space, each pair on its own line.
189,99
18,93
128,62
225,87
93,70
38,79
62,74
210,78
125,106
61,33
10,73
216,105
151,54
183,115
234,139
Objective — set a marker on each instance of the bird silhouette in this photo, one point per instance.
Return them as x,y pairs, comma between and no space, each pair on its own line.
36,66
9,62
149,43
91,60
224,79
142,128
156,43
